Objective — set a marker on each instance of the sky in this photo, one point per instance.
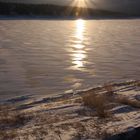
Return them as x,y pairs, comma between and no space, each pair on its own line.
132,6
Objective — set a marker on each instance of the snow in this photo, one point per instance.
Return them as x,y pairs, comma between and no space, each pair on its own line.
65,117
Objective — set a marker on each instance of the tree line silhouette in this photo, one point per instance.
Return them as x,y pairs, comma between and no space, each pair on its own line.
7,8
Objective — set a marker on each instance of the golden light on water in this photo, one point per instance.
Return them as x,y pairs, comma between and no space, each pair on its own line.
78,59
79,53
80,25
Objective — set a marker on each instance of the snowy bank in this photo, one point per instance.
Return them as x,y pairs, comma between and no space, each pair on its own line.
96,113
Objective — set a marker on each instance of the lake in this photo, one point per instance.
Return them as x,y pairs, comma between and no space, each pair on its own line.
42,57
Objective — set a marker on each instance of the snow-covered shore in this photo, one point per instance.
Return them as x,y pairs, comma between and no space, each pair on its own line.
66,117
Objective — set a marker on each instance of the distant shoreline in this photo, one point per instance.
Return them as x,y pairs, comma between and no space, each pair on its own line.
26,17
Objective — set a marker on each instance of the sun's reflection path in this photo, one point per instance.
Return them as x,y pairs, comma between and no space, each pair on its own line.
79,53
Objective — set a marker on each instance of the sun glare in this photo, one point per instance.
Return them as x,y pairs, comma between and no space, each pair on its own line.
79,7
79,3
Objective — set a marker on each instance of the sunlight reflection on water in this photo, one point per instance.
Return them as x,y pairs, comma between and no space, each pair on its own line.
79,53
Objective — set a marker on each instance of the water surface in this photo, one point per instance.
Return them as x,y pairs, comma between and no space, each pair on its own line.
43,57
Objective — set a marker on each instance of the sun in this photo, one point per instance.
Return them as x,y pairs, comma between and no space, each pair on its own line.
78,7
79,3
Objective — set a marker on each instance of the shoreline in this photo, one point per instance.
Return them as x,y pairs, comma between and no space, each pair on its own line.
26,17
67,93
72,116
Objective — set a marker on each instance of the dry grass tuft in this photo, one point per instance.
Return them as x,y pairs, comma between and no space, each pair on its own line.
109,88
126,101
78,100
137,83
98,102
10,120
8,135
